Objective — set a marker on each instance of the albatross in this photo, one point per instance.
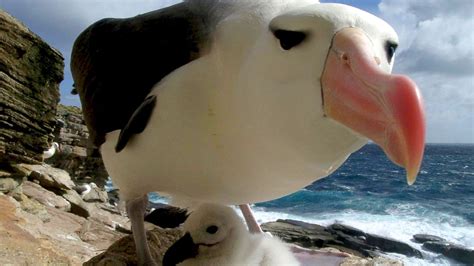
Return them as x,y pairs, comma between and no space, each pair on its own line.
238,102
216,235
51,151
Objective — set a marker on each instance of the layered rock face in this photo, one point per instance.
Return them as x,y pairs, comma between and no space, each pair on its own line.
77,156
30,73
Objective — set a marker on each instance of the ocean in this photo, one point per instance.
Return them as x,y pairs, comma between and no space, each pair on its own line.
371,193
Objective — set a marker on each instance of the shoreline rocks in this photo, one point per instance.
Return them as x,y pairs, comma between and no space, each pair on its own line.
440,245
342,237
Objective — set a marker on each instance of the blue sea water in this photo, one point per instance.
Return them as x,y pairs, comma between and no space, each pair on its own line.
371,193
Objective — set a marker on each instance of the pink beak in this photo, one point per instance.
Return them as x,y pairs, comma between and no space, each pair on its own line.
385,108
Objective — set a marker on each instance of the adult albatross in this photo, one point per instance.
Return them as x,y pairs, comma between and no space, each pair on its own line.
241,101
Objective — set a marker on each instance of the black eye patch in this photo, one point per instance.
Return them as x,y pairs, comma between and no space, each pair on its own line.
289,39
390,48
212,229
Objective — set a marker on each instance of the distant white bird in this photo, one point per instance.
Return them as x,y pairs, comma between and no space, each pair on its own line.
85,188
237,102
216,235
51,151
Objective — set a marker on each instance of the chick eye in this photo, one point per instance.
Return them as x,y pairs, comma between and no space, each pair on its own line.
212,229
390,48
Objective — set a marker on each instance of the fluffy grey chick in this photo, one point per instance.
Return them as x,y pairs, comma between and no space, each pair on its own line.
216,235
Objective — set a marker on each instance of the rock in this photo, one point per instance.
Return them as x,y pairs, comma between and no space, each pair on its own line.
300,233
367,243
377,261
34,207
98,235
80,159
18,245
10,178
422,238
8,184
390,245
48,177
166,216
452,251
45,197
459,253
342,237
30,73
96,194
123,252
78,206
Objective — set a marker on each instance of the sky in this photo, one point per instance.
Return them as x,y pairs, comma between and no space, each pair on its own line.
436,47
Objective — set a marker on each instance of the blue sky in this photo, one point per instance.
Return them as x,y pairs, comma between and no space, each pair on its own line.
436,47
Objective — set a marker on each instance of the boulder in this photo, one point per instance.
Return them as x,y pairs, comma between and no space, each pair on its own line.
342,237
377,261
10,178
54,179
18,244
301,233
33,207
422,238
78,206
30,73
456,252
45,197
96,194
367,243
95,233
8,184
460,253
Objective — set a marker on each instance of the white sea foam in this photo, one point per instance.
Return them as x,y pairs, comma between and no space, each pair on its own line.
396,225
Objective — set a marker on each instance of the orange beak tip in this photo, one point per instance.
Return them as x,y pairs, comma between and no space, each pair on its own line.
411,179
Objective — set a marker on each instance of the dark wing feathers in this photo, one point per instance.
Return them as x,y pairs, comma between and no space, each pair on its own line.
137,122
116,62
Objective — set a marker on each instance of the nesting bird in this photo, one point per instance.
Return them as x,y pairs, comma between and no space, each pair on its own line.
51,151
216,235
237,102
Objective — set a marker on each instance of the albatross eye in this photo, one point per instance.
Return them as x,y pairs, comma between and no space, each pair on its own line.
289,39
212,229
390,48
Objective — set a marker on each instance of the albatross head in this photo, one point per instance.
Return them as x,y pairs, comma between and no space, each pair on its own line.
319,80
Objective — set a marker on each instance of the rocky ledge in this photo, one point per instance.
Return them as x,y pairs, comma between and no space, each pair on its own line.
439,245
44,220
339,236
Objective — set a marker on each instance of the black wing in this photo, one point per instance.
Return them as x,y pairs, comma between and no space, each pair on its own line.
137,122
116,62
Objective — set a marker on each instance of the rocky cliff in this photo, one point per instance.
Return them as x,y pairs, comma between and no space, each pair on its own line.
77,156
30,73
